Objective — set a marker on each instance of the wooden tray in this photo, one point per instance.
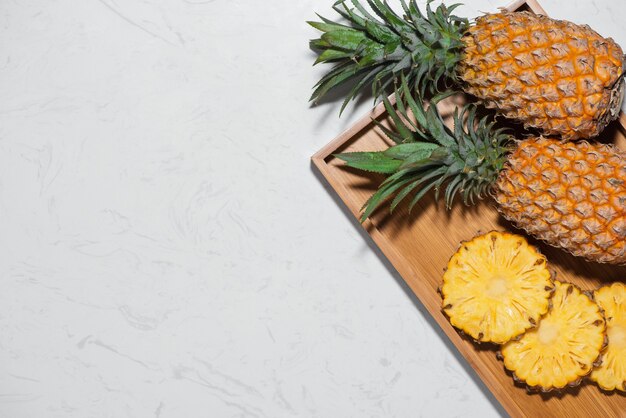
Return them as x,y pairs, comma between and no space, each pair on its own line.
419,246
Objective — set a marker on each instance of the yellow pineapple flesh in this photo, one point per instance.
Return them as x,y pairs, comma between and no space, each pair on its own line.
562,78
611,374
572,195
564,347
495,287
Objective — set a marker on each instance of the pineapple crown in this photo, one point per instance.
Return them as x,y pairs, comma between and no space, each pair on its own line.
428,155
424,47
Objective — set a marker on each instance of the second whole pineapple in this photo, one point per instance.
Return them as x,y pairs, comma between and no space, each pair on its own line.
571,195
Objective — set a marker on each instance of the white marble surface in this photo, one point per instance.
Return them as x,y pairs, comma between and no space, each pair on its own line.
166,249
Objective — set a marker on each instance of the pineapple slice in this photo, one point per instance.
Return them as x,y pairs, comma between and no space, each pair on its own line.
564,347
496,287
611,374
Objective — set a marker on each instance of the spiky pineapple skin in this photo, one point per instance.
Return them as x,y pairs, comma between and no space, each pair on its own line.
559,77
571,195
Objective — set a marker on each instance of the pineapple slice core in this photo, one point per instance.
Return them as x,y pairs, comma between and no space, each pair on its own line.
548,334
565,345
611,374
496,287
617,336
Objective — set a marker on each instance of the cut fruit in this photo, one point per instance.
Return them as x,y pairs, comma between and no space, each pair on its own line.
611,375
564,347
496,286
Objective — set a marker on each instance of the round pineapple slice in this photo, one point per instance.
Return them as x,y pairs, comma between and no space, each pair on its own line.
564,347
496,287
611,374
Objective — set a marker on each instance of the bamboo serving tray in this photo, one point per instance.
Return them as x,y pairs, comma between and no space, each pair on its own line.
419,246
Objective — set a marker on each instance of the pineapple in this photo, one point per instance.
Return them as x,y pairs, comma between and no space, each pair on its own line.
571,195
564,347
611,374
561,78
495,287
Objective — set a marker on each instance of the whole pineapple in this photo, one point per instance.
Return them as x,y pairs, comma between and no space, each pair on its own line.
571,195
556,76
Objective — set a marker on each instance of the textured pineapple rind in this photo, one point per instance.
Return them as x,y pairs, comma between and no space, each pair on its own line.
577,380
559,77
533,192
548,289
596,375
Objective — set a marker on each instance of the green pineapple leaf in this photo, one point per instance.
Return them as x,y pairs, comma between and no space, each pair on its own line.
414,150
381,195
465,160
375,48
376,162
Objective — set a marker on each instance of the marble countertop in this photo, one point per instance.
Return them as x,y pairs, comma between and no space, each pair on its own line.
166,248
